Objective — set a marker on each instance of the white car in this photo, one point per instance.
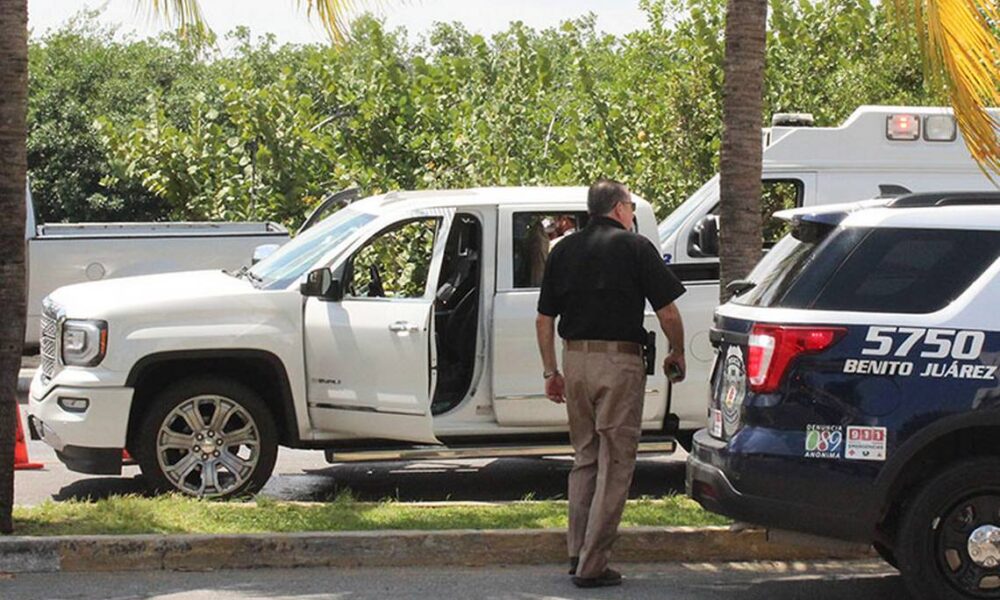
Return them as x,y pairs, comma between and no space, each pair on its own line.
403,325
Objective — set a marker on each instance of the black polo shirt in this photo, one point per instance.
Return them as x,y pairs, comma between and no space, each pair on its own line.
598,279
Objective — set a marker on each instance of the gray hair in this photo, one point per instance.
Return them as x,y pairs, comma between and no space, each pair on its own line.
604,195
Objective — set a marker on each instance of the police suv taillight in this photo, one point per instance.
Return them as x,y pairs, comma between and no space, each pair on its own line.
774,347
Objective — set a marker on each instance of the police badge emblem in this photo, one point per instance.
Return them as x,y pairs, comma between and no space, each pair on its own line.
734,382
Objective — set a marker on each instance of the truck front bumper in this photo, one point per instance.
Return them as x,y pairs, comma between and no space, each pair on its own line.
87,440
713,480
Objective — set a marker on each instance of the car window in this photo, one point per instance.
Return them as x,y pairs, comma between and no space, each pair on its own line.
395,263
776,194
535,234
908,270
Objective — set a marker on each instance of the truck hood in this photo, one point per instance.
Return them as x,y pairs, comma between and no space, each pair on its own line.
149,293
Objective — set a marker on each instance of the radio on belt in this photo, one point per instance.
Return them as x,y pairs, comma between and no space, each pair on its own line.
855,393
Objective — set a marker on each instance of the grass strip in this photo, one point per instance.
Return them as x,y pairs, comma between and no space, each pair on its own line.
177,514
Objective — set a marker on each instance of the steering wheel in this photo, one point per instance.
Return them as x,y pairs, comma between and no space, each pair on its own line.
375,289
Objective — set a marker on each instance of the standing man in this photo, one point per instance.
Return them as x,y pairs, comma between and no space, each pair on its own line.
597,282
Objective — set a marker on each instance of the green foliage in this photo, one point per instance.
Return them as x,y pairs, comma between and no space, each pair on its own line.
155,129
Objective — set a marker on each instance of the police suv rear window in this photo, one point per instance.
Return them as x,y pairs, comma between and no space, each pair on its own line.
875,270
909,270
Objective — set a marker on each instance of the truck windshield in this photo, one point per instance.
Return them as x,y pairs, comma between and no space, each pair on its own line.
291,261
680,214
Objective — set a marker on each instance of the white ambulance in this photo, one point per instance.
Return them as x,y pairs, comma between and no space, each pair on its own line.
879,150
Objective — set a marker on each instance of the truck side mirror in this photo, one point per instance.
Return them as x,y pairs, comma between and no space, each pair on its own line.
704,239
322,284
263,251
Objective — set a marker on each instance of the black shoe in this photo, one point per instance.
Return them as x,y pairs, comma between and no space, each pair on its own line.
608,578
574,562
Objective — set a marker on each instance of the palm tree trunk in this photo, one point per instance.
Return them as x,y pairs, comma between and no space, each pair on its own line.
13,171
742,152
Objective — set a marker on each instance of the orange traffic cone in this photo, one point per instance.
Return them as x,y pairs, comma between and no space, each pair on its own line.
127,458
21,448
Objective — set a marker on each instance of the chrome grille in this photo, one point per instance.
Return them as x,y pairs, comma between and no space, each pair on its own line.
49,341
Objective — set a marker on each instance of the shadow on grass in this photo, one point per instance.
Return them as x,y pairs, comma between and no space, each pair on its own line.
467,480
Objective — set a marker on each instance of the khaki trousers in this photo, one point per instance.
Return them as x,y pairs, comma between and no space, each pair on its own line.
604,393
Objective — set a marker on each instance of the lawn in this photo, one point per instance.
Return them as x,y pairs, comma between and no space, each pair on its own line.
177,514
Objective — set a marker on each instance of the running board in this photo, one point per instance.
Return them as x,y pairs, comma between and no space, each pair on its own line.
446,452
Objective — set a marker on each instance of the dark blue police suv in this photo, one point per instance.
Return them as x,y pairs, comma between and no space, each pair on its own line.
855,392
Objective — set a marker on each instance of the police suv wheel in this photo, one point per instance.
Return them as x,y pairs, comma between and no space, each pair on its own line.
949,541
208,437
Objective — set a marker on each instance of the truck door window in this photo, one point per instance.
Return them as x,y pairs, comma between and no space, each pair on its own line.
395,263
776,194
535,234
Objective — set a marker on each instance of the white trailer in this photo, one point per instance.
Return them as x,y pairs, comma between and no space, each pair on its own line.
67,253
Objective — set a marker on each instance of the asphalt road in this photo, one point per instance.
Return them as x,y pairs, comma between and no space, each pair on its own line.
304,475
743,581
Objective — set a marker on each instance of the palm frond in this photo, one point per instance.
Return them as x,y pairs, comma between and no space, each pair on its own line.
961,50
333,14
183,15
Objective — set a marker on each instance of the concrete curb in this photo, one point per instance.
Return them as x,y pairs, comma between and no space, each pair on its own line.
388,549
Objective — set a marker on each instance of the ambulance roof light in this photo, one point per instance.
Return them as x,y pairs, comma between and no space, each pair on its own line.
940,128
902,127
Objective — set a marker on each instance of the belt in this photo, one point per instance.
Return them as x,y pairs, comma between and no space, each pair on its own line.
603,346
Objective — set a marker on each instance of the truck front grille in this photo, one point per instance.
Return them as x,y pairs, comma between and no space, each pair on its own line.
49,341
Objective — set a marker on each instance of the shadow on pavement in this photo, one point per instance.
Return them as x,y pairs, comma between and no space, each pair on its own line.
98,488
462,480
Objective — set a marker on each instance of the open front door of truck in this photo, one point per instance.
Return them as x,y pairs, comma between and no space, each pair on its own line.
371,355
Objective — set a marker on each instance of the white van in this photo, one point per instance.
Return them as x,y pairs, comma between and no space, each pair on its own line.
879,150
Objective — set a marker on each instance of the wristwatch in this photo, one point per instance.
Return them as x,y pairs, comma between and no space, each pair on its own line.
548,374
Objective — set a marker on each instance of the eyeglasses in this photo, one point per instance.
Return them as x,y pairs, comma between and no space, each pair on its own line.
629,203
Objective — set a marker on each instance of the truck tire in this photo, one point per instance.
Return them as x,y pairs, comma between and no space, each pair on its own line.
949,539
209,437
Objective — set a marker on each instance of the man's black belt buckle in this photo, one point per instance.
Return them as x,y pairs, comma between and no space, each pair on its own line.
649,352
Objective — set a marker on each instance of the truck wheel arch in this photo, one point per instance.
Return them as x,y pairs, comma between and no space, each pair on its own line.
260,369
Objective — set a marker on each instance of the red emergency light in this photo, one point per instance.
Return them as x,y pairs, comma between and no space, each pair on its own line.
902,127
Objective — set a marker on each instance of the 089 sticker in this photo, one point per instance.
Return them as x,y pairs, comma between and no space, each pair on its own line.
949,353
824,441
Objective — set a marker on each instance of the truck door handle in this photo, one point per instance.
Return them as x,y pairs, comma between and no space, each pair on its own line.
403,326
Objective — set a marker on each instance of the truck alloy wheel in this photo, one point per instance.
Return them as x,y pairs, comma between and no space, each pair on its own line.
208,438
950,542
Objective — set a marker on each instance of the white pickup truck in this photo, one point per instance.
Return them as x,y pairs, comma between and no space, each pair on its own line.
403,325
65,253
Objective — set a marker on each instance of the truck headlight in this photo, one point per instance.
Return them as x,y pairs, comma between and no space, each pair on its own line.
84,343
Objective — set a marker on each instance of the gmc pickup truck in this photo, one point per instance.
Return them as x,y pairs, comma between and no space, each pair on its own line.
400,326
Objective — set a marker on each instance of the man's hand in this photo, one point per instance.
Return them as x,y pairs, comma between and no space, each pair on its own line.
555,388
675,359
